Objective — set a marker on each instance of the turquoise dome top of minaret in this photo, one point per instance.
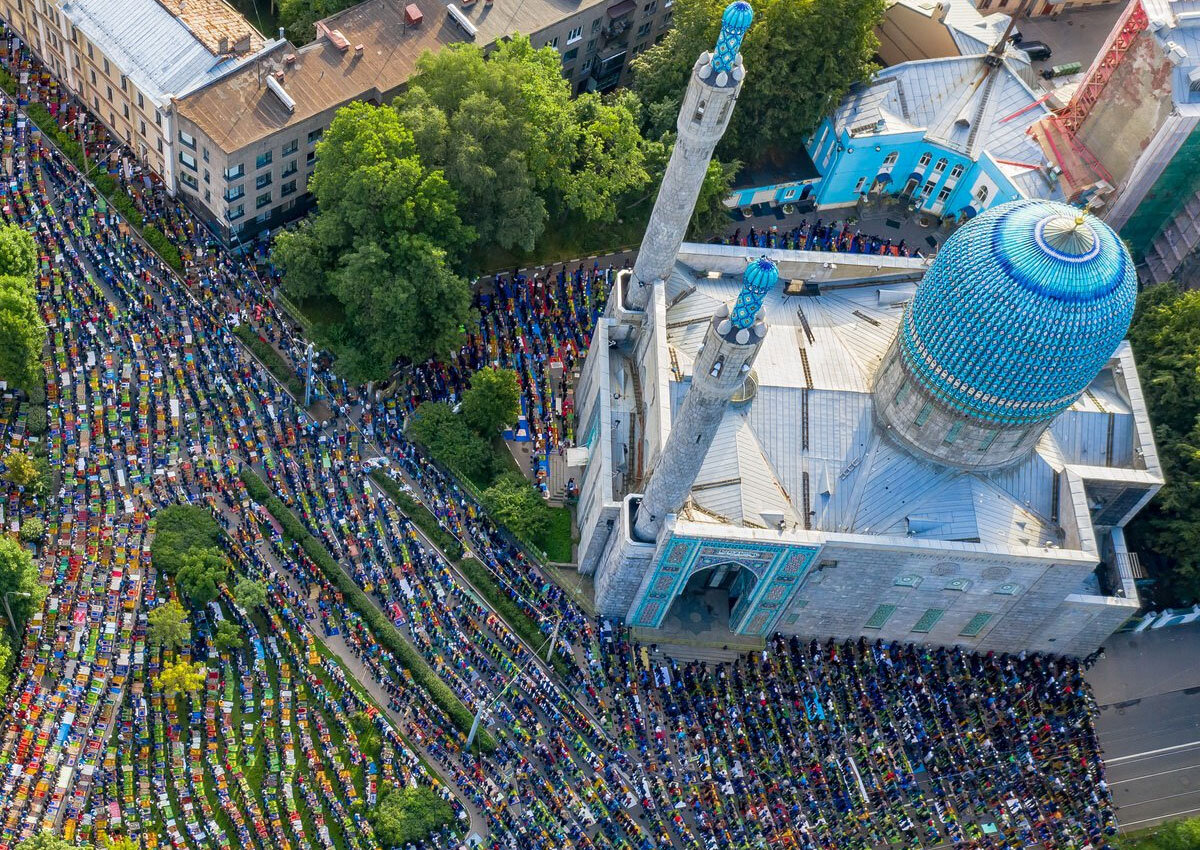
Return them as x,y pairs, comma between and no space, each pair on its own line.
735,21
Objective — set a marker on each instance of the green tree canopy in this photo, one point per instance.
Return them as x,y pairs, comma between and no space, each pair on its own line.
493,400
33,530
201,574
6,660
179,529
250,594
18,575
229,636
18,253
22,334
801,57
181,677
382,244
513,142
169,626
407,815
46,841
19,469
1165,335
436,426
516,504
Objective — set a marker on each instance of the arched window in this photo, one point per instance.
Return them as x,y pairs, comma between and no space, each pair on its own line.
981,194
890,159
940,166
956,172
924,161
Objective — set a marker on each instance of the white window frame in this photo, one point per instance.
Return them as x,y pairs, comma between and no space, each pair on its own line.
575,35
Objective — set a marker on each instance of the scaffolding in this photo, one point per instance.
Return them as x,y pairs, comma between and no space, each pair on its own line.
1132,23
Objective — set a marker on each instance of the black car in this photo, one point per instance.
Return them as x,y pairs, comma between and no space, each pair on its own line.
1037,51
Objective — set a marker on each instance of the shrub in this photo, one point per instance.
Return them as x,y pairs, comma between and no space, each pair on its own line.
436,426
517,505
35,421
164,248
32,530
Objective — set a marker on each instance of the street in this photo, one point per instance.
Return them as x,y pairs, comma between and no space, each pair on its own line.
1148,690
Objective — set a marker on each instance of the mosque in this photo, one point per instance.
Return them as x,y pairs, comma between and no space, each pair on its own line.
851,445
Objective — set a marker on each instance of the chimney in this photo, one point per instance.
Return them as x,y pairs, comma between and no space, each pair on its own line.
281,33
358,50
290,59
412,15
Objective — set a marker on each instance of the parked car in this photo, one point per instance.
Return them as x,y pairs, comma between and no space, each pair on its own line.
1037,51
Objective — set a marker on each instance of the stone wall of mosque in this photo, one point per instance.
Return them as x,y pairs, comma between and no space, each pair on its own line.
950,598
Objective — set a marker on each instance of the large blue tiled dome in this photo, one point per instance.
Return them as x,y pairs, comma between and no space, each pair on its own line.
1019,311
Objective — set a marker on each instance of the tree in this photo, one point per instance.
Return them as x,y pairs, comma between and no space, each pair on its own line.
250,594
514,144
229,636
201,574
446,435
18,253
181,677
178,530
119,842
802,57
19,469
514,502
493,401
46,841
22,334
1165,335
407,815
6,657
383,245
18,575
33,530
169,626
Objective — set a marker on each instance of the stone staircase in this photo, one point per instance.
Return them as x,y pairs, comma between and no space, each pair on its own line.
560,473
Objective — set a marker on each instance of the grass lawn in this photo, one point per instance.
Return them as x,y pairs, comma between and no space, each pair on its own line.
1175,835
568,239
556,541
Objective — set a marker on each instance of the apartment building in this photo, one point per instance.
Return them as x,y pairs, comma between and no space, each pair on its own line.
246,140
127,59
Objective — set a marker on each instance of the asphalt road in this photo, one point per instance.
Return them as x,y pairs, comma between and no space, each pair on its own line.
1148,689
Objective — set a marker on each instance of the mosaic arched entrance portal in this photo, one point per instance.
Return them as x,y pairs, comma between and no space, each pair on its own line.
778,569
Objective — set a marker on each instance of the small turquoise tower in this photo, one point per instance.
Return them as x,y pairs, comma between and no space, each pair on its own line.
1017,314
704,114
760,276
735,23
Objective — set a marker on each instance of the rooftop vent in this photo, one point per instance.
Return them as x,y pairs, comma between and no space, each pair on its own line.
278,90
462,20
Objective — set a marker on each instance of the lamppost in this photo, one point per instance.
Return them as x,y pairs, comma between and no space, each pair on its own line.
8,610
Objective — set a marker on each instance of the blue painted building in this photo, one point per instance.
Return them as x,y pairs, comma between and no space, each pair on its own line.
946,135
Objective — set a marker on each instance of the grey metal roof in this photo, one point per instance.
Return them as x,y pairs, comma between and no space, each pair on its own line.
155,50
818,422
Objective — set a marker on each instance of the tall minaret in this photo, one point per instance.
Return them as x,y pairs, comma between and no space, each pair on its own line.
703,117
721,366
